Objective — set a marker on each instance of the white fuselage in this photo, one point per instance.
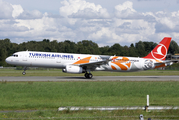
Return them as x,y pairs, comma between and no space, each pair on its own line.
84,63
62,60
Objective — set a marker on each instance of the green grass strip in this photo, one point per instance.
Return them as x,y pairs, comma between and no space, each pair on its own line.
49,95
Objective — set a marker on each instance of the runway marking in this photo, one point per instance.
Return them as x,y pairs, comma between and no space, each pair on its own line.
96,78
118,108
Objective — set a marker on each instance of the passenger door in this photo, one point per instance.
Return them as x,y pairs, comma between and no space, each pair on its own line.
25,57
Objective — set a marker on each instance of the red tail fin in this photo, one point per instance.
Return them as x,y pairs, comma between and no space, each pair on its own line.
160,51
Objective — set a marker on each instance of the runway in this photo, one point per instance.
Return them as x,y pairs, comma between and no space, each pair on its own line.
72,108
95,78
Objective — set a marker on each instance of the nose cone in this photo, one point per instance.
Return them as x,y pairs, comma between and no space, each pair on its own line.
8,60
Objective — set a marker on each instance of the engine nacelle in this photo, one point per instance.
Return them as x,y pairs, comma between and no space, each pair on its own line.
169,63
73,69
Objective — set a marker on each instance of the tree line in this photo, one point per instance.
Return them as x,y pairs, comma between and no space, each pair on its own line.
139,49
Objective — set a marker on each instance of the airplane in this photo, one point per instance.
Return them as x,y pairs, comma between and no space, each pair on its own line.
85,63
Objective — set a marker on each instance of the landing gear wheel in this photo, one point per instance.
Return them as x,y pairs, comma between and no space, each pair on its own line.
23,73
88,75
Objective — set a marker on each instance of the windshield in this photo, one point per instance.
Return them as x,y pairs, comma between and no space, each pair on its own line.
15,55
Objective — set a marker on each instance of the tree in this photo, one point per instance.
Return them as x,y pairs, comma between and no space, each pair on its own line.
3,56
148,47
173,48
53,46
46,40
70,47
140,48
104,50
132,51
116,49
88,47
125,51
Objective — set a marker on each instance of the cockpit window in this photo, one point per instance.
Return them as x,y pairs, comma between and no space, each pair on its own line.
15,55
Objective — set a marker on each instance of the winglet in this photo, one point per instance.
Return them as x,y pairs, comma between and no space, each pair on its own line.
160,51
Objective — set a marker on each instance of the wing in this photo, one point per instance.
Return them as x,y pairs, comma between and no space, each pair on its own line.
92,65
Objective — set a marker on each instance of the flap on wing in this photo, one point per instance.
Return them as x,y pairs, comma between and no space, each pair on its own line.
94,63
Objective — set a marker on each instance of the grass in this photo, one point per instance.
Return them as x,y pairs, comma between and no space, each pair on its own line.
101,115
49,95
58,72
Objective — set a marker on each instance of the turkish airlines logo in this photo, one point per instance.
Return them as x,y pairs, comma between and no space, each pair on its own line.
160,53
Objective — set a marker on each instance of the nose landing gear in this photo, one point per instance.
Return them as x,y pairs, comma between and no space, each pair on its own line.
25,68
23,72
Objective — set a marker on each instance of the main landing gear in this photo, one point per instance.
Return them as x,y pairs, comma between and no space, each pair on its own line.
88,75
25,68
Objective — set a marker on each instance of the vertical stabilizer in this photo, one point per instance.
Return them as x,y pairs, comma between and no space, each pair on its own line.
160,51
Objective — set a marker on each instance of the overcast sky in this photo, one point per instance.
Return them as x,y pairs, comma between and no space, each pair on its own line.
105,22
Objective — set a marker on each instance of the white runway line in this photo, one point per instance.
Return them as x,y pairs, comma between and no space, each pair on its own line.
118,108
95,78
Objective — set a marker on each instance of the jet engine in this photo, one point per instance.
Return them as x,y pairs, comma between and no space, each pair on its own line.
168,63
73,69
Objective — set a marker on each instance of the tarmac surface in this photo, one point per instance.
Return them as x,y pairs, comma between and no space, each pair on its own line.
95,78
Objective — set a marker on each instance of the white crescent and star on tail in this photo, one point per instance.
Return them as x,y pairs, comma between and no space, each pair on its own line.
162,54
159,51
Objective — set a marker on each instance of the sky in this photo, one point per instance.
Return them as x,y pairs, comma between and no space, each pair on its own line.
105,22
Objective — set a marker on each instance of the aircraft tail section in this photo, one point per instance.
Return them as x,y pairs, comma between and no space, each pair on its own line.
160,51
